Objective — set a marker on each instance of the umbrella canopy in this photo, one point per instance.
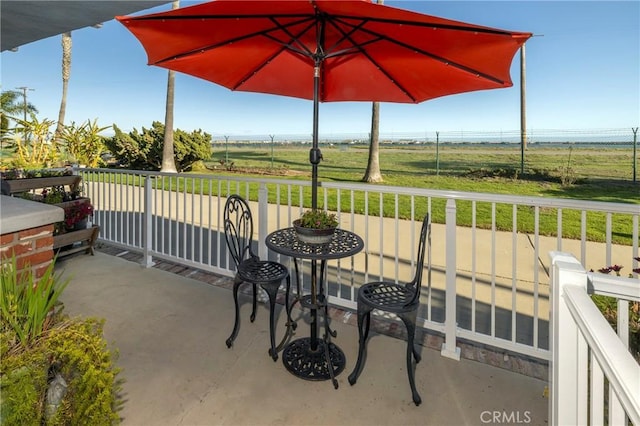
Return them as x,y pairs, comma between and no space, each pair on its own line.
327,50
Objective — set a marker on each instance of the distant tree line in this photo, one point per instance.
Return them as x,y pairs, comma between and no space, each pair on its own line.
33,144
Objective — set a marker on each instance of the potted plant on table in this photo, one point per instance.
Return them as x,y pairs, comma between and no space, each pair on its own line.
315,226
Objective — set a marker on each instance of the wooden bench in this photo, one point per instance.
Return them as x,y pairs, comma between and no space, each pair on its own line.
17,186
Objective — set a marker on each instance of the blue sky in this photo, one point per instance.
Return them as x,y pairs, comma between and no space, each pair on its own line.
582,72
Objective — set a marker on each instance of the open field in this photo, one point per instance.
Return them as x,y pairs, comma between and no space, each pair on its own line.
580,173
550,172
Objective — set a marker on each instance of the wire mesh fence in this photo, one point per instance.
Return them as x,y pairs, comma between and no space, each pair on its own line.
573,153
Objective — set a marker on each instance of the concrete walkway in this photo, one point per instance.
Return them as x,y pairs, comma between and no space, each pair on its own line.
170,331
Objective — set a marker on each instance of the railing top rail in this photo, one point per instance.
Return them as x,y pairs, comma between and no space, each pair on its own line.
202,176
608,207
614,286
498,198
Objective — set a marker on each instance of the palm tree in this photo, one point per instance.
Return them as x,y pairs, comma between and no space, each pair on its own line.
11,107
372,174
66,72
168,156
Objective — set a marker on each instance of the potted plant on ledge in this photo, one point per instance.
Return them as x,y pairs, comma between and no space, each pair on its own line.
65,191
315,226
76,215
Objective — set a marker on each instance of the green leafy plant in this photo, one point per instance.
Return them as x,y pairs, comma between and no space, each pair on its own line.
54,370
26,303
84,143
74,350
317,219
32,143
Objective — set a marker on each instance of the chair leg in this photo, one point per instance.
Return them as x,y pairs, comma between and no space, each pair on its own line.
255,302
410,322
364,319
272,291
291,324
289,307
236,324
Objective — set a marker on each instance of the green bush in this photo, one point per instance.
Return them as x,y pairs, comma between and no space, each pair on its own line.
74,349
39,345
143,151
84,143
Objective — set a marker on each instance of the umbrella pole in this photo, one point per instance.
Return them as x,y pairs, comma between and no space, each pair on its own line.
314,154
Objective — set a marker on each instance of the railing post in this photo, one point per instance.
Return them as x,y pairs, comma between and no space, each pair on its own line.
263,219
565,372
449,348
147,259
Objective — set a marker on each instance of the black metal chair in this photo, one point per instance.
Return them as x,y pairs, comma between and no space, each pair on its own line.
238,230
400,299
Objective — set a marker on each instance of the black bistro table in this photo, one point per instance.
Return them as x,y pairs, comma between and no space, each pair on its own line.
314,358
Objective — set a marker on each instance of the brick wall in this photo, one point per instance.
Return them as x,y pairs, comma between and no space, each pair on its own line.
32,247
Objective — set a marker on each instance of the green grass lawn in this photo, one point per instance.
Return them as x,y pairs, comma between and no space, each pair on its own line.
578,173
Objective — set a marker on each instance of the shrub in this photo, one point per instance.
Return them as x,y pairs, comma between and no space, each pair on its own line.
84,143
32,143
143,151
40,348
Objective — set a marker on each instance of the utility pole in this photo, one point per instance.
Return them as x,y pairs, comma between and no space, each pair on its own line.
635,157
523,109
272,136
24,98
226,154
24,109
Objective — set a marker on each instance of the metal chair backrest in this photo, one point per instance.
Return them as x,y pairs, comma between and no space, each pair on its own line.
424,242
238,229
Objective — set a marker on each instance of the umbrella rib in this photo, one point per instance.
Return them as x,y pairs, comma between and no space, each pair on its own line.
464,28
360,48
303,50
240,38
427,53
284,46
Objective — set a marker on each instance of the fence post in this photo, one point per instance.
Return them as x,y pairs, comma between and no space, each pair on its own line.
263,219
567,379
635,157
449,348
147,259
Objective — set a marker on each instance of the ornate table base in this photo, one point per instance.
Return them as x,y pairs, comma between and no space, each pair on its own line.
309,364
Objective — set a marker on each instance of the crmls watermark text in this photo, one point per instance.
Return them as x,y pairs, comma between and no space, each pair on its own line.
506,417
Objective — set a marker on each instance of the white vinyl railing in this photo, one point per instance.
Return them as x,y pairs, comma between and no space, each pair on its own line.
594,379
488,283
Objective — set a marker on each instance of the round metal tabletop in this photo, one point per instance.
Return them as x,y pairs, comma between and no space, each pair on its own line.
343,244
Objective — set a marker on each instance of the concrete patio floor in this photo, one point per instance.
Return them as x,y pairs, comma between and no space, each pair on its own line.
170,331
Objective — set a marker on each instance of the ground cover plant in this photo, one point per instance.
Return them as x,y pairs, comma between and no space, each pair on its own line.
54,370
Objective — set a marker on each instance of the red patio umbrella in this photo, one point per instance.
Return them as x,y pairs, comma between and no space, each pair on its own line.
327,50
